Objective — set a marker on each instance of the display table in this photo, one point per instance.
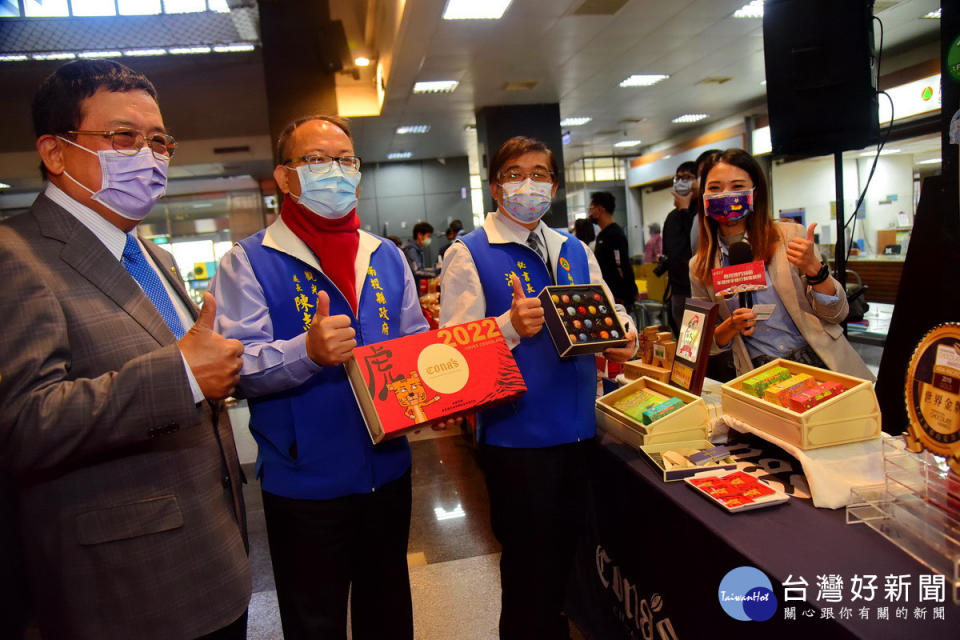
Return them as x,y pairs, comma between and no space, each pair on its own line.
655,553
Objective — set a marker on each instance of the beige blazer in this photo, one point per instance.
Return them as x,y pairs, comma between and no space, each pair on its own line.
818,323
131,511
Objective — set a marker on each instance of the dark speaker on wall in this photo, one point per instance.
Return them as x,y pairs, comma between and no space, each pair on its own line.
821,75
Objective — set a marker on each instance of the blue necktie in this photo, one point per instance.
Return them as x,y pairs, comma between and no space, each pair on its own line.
142,271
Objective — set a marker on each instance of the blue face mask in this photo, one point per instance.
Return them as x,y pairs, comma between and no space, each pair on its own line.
329,195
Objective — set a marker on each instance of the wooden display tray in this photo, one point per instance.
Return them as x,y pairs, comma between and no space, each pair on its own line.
686,423
852,416
679,474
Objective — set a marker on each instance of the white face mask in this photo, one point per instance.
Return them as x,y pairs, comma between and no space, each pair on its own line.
129,184
330,195
526,201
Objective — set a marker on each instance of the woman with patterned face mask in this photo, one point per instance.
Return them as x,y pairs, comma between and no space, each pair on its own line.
808,304
534,450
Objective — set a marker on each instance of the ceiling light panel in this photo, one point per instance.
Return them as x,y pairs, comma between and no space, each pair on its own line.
178,51
689,117
436,86
627,143
643,80
399,155
575,121
475,9
412,128
139,53
752,9
234,48
139,7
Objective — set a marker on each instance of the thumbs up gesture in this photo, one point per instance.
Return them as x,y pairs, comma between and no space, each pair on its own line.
214,360
526,314
330,339
801,252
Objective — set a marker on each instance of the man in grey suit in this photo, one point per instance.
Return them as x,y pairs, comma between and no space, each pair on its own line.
129,499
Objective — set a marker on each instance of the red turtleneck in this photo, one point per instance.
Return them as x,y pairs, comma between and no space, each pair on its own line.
334,242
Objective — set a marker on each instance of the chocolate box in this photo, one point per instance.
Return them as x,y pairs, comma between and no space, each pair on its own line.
418,380
689,422
581,319
852,416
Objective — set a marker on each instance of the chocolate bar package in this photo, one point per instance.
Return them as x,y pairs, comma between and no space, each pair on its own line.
759,383
581,319
779,392
417,380
809,398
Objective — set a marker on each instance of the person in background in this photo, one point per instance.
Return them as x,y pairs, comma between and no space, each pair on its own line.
808,302
654,246
695,196
583,229
676,238
127,479
413,249
534,451
612,252
452,233
300,295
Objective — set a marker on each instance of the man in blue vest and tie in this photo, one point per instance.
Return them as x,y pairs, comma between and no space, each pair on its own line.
534,451
300,295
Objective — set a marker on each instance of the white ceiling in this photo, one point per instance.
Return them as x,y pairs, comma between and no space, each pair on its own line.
579,61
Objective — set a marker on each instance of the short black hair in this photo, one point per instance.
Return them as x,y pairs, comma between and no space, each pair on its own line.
583,229
56,104
604,199
689,166
706,155
517,146
422,227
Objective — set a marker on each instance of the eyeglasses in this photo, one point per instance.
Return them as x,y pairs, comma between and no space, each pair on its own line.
129,142
515,175
323,164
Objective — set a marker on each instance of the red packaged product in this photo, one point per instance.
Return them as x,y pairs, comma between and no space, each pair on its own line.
809,398
417,380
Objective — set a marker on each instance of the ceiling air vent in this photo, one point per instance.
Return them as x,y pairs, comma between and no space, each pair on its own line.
522,85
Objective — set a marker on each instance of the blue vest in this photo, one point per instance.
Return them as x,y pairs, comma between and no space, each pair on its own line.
558,406
313,441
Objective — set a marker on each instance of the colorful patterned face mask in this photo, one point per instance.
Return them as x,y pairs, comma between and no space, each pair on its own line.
526,201
729,206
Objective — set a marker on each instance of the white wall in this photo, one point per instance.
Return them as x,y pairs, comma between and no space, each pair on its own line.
893,177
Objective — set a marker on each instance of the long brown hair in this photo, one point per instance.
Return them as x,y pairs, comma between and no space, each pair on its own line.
760,229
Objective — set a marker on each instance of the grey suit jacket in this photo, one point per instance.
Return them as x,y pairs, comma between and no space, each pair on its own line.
817,323
130,505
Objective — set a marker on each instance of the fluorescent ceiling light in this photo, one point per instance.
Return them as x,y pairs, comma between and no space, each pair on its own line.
99,54
399,155
752,9
930,161
139,7
218,6
54,56
643,80
4,185
184,6
188,50
689,117
413,128
885,152
136,53
933,15
94,8
475,9
361,61
436,86
45,9
13,57
233,48
443,514
575,121
628,143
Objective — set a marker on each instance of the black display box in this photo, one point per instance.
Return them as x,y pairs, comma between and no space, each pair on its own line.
581,319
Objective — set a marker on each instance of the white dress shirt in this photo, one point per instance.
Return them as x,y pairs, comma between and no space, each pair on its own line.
460,274
115,240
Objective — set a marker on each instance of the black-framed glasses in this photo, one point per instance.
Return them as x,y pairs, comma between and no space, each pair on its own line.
318,163
515,175
129,141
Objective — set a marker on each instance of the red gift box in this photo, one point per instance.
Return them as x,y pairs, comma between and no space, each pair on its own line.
417,380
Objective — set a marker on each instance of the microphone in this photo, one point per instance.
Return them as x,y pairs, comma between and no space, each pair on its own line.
741,253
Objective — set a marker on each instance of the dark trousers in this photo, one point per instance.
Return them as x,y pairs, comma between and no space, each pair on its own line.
320,548
236,630
538,504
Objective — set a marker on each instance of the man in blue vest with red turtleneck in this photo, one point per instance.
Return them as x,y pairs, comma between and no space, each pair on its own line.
300,295
534,451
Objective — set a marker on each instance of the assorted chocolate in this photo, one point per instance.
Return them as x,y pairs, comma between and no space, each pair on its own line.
797,392
581,319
